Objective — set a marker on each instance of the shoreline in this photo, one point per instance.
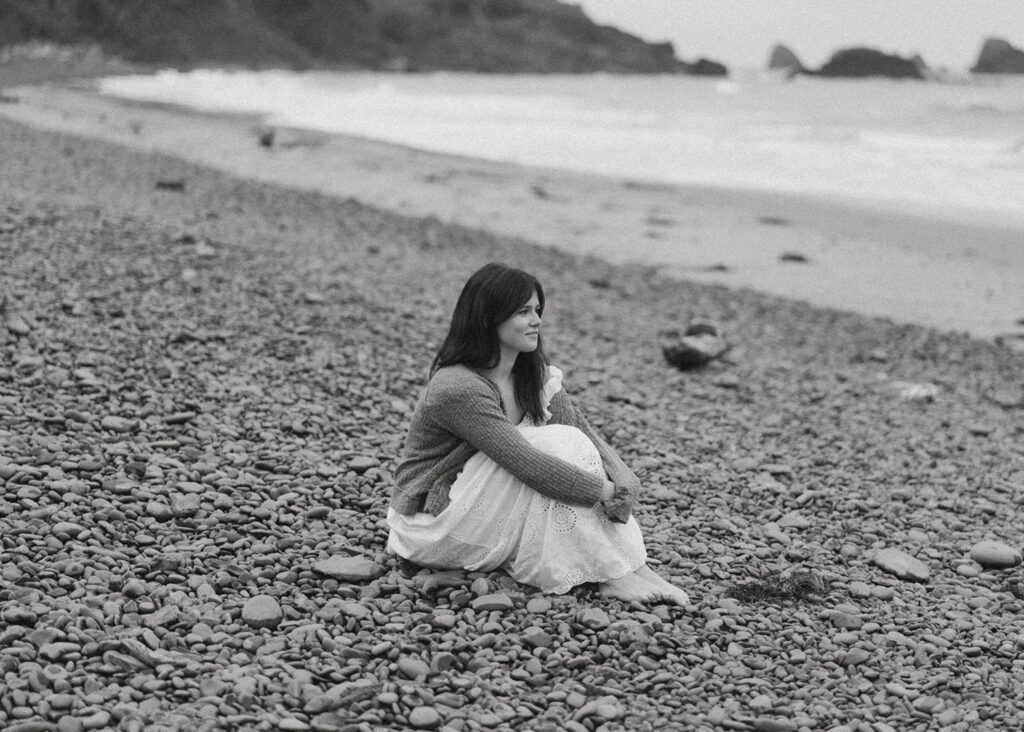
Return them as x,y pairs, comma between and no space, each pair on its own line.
881,261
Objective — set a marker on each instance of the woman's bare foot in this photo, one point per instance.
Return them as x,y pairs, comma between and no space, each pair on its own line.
644,585
630,588
664,589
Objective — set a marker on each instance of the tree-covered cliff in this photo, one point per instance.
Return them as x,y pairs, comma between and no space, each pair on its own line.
472,35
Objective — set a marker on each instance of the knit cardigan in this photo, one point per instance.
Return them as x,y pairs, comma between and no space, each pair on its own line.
460,412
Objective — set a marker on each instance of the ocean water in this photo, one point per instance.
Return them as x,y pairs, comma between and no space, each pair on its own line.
939,146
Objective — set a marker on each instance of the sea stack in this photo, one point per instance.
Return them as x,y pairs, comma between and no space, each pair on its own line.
999,57
783,59
863,62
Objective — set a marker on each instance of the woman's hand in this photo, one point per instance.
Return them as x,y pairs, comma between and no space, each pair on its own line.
607,490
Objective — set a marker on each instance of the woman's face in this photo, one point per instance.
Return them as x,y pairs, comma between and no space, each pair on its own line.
521,332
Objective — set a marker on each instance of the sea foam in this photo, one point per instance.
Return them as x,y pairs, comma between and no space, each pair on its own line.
929,144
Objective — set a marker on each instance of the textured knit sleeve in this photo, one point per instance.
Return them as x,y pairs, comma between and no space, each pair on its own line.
469,409
627,485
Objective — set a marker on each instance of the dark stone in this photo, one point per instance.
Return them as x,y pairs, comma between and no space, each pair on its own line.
999,57
700,344
793,257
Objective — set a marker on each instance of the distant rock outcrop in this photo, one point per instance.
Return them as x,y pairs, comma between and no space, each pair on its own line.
783,59
862,62
707,67
999,57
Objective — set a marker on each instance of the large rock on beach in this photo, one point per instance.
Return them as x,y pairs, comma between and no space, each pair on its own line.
863,62
701,343
995,555
997,56
898,562
349,569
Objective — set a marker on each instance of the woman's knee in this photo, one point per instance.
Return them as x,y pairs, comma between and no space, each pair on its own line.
566,442
564,432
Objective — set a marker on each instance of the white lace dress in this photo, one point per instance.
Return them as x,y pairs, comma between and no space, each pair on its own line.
494,520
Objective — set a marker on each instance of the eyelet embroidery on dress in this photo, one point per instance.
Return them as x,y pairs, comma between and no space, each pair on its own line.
563,518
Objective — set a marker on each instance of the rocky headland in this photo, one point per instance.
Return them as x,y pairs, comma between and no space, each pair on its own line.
506,36
204,383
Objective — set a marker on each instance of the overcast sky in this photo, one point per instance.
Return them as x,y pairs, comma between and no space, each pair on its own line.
742,32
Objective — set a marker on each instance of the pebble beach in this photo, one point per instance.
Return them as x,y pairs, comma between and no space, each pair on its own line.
204,385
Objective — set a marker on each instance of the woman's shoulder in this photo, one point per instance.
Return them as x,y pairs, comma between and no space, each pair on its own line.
455,374
458,380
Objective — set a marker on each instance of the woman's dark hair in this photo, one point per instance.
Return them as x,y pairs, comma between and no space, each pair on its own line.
491,296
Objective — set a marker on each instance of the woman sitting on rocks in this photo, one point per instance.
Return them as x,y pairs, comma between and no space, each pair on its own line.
500,468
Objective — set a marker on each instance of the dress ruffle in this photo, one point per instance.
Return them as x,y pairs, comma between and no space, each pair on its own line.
552,385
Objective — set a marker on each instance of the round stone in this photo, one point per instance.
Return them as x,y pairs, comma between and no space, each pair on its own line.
262,611
594,618
968,570
855,657
424,718
995,555
860,589
117,424
538,605
412,668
